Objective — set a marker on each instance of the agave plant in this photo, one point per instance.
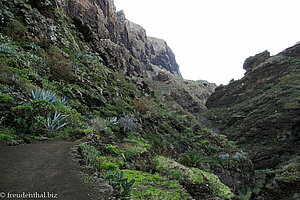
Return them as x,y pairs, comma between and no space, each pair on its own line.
43,94
49,96
63,101
56,123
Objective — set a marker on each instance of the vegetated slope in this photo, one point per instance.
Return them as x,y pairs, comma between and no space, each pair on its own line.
70,77
261,112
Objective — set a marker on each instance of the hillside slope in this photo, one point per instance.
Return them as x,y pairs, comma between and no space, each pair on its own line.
261,111
77,70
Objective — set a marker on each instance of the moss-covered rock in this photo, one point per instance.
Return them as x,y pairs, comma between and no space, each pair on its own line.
201,184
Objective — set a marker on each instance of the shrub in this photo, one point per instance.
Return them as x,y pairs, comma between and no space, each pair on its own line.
145,106
191,159
31,118
6,75
60,67
176,174
112,149
90,154
98,124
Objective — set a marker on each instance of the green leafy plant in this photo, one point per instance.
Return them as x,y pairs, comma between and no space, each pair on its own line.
98,124
191,159
112,149
176,174
90,154
127,188
119,183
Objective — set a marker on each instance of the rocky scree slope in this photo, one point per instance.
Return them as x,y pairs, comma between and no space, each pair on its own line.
45,50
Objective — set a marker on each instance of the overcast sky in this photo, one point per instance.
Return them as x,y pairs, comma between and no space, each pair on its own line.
212,38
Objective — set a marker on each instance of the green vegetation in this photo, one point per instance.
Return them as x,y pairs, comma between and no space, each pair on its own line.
154,186
101,163
3,135
119,183
194,175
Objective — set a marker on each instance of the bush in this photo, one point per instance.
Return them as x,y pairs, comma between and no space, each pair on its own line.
32,117
59,66
98,124
192,159
145,106
90,154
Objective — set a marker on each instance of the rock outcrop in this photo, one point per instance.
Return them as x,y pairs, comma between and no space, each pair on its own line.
261,111
177,93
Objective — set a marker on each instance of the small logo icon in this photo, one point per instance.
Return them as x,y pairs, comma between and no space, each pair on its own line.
2,195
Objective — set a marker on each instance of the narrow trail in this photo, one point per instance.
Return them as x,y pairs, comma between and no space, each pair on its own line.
42,167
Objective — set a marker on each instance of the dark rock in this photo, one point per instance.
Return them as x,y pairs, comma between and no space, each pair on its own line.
27,140
20,141
46,7
293,51
161,76
164,56
255,60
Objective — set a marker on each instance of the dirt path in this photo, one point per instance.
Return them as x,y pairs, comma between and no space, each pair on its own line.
42,167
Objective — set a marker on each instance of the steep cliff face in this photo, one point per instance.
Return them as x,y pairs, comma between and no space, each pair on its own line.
261,111
109,31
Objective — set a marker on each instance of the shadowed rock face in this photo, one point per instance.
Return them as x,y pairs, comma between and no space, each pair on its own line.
261,111
119,41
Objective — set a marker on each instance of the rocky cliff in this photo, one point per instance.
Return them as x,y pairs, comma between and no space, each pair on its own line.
109,31
261,111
